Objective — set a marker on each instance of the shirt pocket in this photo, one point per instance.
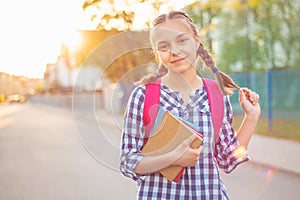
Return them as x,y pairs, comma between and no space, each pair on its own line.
203,111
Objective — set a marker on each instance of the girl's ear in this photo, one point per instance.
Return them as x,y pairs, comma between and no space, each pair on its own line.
198,42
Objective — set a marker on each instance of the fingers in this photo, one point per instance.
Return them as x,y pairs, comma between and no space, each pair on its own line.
200,149
192,156
256,97
188,142
242,95
247,94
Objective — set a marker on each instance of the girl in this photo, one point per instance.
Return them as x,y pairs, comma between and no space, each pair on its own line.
175,41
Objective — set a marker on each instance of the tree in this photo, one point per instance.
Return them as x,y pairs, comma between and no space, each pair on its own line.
204,14
240,40
125,14
108,15
250,34
279,22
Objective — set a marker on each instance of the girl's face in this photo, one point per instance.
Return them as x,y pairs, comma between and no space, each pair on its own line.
175,45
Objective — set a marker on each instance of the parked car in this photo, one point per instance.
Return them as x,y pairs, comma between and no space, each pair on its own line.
16,98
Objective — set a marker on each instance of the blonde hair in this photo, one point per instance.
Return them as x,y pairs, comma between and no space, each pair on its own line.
225,83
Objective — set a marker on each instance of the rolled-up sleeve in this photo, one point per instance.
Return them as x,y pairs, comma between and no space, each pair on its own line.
229,153
132,135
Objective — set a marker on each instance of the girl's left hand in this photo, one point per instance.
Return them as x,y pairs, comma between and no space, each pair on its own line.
249,102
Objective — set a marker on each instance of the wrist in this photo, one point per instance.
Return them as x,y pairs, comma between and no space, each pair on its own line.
252,116
173,157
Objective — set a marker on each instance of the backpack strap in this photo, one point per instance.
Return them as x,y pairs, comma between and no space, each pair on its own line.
151,105
216,104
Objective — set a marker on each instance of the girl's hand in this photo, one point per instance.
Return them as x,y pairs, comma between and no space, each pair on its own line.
249,102
185,155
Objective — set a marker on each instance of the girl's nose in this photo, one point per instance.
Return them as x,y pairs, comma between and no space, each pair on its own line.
175,49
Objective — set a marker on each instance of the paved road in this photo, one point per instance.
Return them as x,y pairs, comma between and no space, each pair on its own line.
52,153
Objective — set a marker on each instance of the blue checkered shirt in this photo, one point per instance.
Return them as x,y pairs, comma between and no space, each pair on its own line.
201,181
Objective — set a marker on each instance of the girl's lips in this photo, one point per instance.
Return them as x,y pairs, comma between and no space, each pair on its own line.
177,61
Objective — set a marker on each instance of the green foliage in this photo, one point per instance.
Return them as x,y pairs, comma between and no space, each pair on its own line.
203,14
250,35
236,54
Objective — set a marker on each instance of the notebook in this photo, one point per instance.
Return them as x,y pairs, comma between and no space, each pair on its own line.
168,132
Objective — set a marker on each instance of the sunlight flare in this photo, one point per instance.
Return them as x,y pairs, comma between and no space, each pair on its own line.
240,152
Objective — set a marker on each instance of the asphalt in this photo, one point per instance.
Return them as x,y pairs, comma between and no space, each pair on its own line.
271,152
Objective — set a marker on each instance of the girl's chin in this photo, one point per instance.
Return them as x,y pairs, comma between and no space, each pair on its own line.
181,68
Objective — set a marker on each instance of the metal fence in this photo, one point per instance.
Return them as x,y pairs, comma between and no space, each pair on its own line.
279,95
278,89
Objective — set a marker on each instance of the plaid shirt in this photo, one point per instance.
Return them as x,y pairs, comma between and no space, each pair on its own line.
201,181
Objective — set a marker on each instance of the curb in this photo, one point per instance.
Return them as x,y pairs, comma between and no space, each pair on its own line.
275,153
273,169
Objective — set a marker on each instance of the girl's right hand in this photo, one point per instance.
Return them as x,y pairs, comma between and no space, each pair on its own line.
185,155
249,101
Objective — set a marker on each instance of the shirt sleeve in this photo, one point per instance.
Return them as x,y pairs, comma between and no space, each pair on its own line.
133,135
229,153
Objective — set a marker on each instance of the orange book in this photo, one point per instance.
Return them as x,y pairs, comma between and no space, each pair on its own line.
168,132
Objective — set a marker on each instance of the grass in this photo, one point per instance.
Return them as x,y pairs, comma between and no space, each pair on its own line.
281,128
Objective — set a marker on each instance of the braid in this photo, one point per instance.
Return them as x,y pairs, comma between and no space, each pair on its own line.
160,72
226,84
206,57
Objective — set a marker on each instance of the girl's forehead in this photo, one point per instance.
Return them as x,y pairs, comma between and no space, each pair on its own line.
171,28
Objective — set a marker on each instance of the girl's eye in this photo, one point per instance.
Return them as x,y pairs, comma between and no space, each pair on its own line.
163,47
182,40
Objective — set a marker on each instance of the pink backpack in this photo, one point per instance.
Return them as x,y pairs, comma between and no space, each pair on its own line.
151,106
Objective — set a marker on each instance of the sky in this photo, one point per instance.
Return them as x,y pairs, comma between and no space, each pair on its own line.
32,32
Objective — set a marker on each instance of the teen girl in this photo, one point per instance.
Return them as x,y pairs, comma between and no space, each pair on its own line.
177,44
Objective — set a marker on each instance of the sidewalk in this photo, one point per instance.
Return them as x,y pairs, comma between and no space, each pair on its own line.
273,152
266,151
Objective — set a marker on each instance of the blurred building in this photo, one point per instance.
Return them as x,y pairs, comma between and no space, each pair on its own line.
11,84
70,69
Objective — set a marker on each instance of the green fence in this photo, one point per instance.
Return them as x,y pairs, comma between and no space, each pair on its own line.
279,92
